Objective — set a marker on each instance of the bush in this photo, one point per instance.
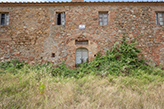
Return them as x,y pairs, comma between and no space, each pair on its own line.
12,65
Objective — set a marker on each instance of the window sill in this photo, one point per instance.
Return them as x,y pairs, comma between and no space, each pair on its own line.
160,25
3,26
103,25
60,25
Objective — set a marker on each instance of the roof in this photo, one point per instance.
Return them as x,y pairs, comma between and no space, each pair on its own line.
54,1
85,1
81,3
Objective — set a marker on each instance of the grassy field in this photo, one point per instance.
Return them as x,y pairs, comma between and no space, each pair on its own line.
41,90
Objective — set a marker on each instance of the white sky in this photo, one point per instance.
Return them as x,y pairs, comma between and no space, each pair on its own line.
67,0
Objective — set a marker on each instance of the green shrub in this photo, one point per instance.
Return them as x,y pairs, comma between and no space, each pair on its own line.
12,65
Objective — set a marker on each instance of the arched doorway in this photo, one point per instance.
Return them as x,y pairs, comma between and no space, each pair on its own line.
81,55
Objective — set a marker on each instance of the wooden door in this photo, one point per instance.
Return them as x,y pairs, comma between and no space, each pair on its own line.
81,55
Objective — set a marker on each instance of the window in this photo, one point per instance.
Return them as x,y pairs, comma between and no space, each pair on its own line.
60,18
103,18
4,19
160,18
82,42
53,55
81,55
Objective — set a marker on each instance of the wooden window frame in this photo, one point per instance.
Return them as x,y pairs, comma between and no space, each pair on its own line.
158,18
103,18
62,19
6,18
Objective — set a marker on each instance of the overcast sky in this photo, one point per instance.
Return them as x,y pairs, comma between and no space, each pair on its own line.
67,0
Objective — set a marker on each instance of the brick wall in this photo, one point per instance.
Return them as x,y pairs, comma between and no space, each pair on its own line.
32,34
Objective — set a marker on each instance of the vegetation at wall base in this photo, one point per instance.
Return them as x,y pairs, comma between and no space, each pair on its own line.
120,79
124,59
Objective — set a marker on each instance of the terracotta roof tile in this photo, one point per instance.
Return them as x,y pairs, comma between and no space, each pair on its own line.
66,3
115,1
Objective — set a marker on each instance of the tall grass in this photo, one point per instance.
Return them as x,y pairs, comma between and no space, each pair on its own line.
89,92
120,79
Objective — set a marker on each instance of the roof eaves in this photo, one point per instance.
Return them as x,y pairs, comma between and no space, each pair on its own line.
82,2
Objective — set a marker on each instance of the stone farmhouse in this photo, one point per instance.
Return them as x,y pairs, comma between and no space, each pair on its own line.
76,31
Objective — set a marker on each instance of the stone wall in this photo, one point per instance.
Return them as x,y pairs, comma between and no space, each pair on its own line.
32,34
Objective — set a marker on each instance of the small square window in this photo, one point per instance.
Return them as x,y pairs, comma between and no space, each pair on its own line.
103,18
60,18
160,18
4,19
53,55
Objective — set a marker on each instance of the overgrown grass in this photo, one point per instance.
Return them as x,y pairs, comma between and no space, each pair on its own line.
42,90
120,79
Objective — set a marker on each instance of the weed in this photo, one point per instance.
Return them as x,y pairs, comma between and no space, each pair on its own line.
41,88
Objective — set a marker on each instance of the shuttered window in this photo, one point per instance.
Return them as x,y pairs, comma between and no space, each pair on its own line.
160,18
4,19
103,18
60,18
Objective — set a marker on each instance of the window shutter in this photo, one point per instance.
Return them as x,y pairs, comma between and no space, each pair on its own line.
57,18
163,17
63,18
160,18
0,19
156,16
100,19
105,15
105,22
100,15
7,19
105,19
